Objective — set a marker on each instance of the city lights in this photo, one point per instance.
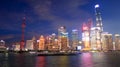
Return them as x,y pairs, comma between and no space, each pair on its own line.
93,38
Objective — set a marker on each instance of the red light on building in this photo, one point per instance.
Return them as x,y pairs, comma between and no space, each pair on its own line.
84,27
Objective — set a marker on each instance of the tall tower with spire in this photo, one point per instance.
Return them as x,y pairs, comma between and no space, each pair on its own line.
98,17
22,43
99,26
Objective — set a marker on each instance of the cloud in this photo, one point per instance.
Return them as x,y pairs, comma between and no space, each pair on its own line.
57,13
4,37
63,12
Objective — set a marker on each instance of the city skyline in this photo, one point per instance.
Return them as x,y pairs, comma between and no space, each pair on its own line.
44,17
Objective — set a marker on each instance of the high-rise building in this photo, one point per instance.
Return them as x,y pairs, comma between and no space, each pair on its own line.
99,25
63,38
64,42
35,46
54,42
86,36
75,40
17,47
117,41
94,36
41,43
107,41
98,17
29,45
2,45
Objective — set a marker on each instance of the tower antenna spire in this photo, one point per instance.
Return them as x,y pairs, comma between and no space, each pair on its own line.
23,25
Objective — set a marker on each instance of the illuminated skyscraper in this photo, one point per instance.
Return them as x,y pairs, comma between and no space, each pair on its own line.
117,41
29,45
54,42
86,36
17,47
94,36
63,38
107,41
75,40
98,17
34,43
41,43
99,25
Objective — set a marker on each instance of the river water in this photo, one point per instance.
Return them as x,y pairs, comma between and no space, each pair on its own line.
87,59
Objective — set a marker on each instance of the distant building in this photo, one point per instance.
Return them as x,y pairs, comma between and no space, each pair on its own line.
54,42
99,25
107,41
95,38
29,45
117,41
75,40
2,45
17,47
86,36
41,43
35,45
63,38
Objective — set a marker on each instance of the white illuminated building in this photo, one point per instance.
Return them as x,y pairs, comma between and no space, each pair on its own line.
29,45
86,37
95,38
2,45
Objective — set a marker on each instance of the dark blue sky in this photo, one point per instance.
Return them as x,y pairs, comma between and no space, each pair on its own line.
44,17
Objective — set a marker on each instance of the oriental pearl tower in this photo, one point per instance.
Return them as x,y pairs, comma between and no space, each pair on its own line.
22,42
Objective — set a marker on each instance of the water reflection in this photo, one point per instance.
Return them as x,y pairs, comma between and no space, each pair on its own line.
40,61
4,60
97,59
86,60
64,61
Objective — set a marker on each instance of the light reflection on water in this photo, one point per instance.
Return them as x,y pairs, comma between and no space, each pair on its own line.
86,60
98,59
40,61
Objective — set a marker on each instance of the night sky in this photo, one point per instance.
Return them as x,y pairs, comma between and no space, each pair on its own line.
44,17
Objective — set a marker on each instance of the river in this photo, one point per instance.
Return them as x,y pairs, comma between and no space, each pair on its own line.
86,59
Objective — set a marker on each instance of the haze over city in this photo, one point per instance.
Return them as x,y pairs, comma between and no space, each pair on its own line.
44,17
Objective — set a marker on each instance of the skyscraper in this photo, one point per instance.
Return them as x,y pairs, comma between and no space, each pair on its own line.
63,38
75,40
41,43
29,45
98,17
117,41
98,25
107,41
85,36
34,43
